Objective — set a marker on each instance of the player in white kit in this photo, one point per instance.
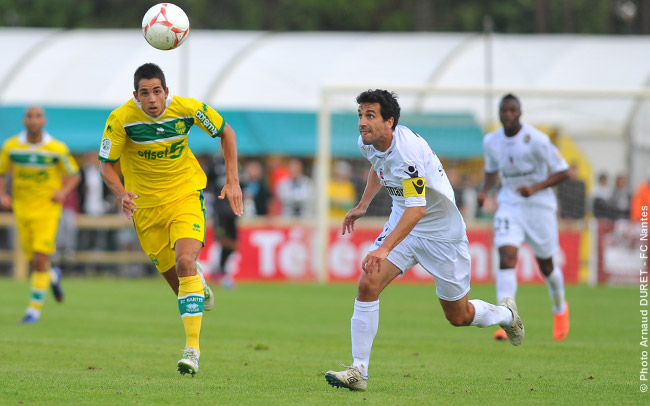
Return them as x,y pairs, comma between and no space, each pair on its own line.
528,165
424,227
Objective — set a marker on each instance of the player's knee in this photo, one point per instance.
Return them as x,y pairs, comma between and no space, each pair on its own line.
368,289
507,261
185,264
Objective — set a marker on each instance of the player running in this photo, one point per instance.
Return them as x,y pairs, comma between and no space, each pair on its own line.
163,188
528,165
424,227
43,173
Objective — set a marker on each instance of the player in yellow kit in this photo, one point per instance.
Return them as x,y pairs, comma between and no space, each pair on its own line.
43,173
163,185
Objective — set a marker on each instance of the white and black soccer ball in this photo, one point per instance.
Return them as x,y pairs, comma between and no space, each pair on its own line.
165,26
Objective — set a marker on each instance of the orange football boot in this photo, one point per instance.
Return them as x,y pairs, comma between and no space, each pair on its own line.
501,335
561,324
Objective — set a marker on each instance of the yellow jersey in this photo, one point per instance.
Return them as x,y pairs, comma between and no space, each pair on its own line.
343,197
37,172
155,159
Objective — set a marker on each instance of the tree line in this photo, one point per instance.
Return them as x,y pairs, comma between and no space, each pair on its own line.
509,16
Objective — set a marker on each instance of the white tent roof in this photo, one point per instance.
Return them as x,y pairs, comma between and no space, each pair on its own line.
287,71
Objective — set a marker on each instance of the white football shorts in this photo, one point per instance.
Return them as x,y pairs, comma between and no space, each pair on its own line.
448,262
537,225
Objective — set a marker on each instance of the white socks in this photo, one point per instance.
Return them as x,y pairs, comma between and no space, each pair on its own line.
487,314
555,284
363,328
506,281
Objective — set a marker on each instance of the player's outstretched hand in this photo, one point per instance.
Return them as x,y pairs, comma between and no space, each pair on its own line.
480,198
59,196
5,202
526,191
232,191
350,217
128,204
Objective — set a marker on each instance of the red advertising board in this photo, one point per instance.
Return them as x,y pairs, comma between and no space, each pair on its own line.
286,253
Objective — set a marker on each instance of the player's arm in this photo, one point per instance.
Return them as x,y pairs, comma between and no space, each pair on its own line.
114,183
231,190
5,199
5,165
409,219
69,182
489,180
552,180
548,153
372,188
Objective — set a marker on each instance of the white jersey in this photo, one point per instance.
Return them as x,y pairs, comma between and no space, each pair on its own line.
413,176
522,160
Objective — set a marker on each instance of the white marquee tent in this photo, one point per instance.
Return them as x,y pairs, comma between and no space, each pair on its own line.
591,88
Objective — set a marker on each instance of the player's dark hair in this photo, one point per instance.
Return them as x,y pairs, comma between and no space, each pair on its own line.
148,71
510,97
388,106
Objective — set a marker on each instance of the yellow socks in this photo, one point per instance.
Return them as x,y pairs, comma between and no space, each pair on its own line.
190,305
39,284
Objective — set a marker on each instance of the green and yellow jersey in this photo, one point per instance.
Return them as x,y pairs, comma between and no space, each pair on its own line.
37,172
155,159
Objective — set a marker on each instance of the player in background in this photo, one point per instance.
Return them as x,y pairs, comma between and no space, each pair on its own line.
163,188
528,165
424,227
43,173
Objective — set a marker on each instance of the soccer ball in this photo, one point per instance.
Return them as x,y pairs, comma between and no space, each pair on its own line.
165,26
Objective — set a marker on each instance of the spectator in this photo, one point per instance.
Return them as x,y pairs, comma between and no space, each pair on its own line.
469,209
571,195
342,194
66,238
455,180
640,199
620,200
256,192
95,199
600,205
295,192
225,221
278,171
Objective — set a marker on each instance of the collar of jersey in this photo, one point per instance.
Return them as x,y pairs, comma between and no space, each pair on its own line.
22,138
167,102
384,154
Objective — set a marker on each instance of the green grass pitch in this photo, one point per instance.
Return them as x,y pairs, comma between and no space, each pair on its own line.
117,341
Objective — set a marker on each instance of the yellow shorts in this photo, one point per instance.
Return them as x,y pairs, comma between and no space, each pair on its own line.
160,227
38,234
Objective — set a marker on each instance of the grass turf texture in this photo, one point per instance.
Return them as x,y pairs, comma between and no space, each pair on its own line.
117,342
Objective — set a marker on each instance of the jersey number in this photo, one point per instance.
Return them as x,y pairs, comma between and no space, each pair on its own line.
176,146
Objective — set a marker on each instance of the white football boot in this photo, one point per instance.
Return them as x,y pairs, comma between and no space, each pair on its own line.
351,378
208,304
515,332
189,364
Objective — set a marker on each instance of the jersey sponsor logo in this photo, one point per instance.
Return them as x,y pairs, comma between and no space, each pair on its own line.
174,151
105,149
395,191
412,171
109,128
526,139
203,118
518,174
38,176
413,187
